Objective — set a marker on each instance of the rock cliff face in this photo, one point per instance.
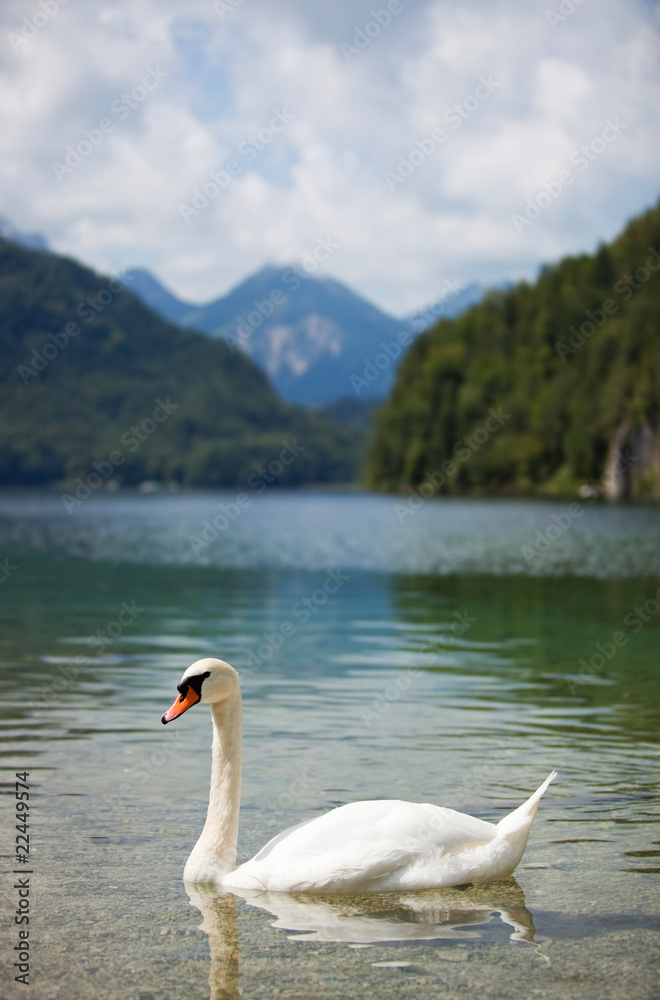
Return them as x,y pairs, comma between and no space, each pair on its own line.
633,463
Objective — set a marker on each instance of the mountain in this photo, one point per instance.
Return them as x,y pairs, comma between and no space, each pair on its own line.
156,296
32,240
351,412
312,336
547,388
97,388
308,334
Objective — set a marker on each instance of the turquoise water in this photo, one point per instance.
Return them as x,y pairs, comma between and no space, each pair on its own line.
445,666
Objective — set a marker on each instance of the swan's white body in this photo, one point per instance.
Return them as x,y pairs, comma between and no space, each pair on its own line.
360,847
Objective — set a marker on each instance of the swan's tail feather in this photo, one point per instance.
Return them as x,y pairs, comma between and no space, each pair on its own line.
524,814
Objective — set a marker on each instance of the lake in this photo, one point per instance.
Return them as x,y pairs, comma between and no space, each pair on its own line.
463,649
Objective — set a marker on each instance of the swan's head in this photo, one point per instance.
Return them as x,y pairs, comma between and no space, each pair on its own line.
205,681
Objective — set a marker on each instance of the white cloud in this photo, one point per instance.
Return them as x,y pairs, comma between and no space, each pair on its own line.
324,172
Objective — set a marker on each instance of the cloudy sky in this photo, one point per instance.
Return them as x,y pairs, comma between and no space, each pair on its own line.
406,137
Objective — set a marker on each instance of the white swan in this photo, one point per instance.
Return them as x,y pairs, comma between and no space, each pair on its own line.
360,847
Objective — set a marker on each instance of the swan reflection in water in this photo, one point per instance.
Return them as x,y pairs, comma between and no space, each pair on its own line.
432,915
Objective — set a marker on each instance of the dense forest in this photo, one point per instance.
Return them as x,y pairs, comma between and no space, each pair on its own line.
548,388
94,384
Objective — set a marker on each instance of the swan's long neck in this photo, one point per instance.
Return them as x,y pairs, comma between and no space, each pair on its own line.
216,847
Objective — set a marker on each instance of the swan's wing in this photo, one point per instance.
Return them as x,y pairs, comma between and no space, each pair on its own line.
268,847
358,845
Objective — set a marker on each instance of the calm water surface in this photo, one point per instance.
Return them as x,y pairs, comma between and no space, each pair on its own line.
466,649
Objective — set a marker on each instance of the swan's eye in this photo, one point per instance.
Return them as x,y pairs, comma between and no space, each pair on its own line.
194,682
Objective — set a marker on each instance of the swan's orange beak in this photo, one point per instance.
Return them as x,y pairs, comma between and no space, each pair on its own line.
181,705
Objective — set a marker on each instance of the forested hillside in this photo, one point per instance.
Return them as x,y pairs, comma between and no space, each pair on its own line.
88,372
569,367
